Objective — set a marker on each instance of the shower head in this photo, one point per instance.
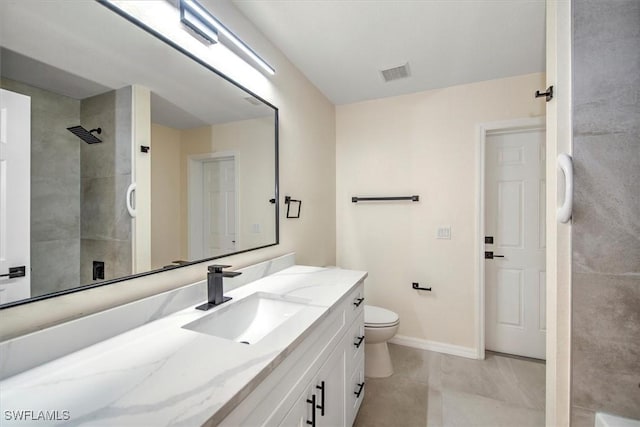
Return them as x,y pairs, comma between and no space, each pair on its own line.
86,135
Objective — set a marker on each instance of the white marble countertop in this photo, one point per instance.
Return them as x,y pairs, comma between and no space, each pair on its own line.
161,374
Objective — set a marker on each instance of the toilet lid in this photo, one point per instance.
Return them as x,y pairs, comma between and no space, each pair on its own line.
378,316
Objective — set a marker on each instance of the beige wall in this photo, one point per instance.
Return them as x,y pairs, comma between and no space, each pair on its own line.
166,213
307,172
193,141
426,144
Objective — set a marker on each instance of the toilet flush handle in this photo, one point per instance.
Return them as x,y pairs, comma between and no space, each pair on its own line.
358,301
358,342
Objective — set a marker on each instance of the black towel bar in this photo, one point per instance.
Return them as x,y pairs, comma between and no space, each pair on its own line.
356,199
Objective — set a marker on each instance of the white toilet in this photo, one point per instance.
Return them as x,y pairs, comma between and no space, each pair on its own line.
380,325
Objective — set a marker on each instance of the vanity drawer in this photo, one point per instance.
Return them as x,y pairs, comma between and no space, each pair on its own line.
355,343
355,302
355,391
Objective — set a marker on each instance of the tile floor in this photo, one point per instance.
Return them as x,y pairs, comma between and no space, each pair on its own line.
438,390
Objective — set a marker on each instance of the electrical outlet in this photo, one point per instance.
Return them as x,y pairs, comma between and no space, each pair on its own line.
444,233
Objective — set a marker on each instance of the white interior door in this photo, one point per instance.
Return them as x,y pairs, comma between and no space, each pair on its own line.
515,279
219,188
15,186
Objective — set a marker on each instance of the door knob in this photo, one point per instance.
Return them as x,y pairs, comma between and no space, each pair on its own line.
490,255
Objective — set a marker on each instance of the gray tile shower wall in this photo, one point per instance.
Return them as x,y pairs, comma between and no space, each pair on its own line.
99,112
55,265
55,189
106,174
606,221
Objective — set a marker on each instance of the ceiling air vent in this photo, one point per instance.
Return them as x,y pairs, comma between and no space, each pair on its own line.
395,73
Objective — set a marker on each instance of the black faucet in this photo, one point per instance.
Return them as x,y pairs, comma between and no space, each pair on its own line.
214,286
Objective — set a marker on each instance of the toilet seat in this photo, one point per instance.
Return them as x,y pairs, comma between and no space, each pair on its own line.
378,317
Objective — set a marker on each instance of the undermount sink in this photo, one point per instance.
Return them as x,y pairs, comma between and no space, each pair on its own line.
249,319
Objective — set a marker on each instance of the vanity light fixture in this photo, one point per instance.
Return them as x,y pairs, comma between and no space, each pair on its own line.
189,18
199,19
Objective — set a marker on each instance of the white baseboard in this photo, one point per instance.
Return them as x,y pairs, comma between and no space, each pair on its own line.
440,347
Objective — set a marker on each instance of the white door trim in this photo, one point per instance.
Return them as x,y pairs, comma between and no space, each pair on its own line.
532,123
194,199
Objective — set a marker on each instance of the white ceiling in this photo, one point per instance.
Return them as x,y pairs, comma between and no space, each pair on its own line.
341,45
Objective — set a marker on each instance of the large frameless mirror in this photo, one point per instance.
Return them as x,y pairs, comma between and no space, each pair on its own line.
121,156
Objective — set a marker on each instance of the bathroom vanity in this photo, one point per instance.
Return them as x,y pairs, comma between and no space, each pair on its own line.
321,381
286,350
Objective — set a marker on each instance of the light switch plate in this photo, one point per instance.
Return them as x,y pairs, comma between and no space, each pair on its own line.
444,233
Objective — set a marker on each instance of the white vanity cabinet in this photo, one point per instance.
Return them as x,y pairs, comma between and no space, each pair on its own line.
316,384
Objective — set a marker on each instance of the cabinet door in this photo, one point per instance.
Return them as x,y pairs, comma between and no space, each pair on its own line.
330,390
323,402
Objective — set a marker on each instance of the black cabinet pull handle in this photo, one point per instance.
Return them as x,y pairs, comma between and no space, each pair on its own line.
358,342
15,272
358,301
360,388
321,405
312,401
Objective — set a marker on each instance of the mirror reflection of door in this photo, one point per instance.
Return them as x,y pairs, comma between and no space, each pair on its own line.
15,156
219,215
213,189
